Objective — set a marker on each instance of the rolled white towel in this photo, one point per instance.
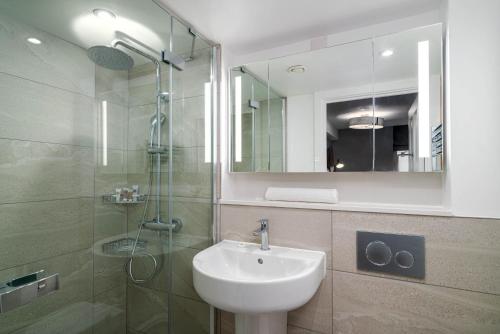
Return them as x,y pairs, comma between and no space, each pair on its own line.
314,195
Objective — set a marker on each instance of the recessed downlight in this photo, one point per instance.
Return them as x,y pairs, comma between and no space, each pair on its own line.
34,40
387,53
296,69
104,14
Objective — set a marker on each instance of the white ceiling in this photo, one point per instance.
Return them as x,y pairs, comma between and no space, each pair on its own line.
245,26
352,65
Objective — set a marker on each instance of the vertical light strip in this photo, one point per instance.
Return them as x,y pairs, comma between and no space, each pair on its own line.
104,112
237,119
424,131
208,122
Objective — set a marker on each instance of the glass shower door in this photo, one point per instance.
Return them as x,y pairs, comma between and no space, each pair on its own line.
82,168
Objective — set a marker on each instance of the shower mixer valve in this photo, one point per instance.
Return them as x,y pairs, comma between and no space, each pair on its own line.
156,225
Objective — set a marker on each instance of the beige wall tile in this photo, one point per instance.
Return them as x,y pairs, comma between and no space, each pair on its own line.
74,317
308,229
55,62
182,273
298,330
190,316
147,310
111,85
110,220
189,122
37,112
30,232
366,304
33,171
196,216
109,272
75,271
316,315
460,252
192,175
110,311
110,224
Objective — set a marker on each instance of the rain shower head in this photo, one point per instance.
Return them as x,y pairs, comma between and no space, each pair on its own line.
110,58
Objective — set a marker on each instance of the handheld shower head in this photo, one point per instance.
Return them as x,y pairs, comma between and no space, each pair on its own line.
154,126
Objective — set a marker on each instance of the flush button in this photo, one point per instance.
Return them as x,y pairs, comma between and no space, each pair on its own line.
394,254
378,253
404,259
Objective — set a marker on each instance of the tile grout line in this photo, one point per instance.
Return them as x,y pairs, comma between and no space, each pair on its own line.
48,258
46,84
49,200
415,282
48,142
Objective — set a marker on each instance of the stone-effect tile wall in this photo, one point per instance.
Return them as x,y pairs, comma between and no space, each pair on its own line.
47,162
110,278
460,293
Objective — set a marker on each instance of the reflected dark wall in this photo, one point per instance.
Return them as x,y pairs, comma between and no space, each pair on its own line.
354,148
384,143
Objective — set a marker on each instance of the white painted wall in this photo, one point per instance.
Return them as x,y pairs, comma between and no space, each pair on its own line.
300,133
474,125
471,184
383,188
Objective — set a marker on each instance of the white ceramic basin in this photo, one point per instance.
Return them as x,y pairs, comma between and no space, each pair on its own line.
230,276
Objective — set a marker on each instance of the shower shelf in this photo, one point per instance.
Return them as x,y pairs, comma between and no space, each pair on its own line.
114,199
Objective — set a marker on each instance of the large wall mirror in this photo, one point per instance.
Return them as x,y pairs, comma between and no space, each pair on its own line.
370,105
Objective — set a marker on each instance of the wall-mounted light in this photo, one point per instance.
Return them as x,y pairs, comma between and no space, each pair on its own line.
34,40
104,14
366,122
387,53
208,122
104,113
237,119
424,131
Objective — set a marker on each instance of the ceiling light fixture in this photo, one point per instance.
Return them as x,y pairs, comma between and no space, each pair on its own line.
34,40
296,69
387,53
339,164
364,123
104,14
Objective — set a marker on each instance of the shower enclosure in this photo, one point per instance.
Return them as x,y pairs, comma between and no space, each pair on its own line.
106,167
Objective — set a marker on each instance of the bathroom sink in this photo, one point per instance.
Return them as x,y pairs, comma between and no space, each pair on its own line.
239,277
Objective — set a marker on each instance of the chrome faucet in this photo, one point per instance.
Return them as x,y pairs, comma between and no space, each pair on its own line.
263,231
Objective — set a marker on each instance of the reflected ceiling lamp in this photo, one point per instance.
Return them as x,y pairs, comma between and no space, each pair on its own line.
339,164
366,122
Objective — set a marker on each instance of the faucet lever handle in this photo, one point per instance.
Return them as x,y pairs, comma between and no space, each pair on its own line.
264,225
